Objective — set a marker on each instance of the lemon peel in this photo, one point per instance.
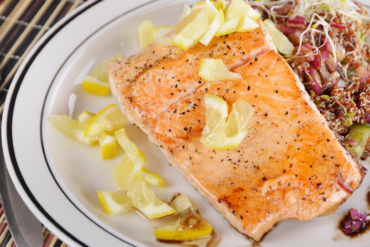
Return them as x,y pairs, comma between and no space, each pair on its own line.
185,229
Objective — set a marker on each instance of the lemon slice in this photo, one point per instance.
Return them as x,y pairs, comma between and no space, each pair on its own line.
150,178
85,117
213,135
161,31
252,13
130,148
164,41
193,31
186,229
107,146
216,70
100,72
125,171
185,12
234,13
247,24
184,22
237,124
93,85
182,203
145,200
281,42
221,5
73,129
109,119
114,202
146,34
219,134
216,24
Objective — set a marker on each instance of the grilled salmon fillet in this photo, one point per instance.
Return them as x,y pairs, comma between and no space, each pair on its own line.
288,165
149,82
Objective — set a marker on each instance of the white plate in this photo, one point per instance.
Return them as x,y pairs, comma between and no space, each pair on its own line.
58,178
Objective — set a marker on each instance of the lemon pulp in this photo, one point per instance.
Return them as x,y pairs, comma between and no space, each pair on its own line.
148,204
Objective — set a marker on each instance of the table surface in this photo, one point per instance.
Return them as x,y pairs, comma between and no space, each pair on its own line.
22,24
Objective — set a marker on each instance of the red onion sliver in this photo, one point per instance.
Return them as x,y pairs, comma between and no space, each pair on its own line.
340,26
344,185
358,215
324,55
316,86
298,24
353,224
286,30
347,230
326,46
316,62
368,117
297,18
351,142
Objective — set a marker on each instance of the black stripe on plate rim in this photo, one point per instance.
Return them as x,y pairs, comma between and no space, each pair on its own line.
10,121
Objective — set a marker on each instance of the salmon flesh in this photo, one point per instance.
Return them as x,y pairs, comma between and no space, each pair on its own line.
289,164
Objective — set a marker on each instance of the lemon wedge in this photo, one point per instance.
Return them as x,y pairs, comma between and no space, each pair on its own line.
193,31
281,42
145,200
150,178
114,202
185,12
216,24
73,129
182,203
146,34
216,70
125,171
185,229
161,31
233,14
85,117
219,134
247,24
107,146
252,13
109,119
93,85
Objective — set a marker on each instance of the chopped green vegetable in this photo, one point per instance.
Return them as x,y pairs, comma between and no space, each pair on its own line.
350,114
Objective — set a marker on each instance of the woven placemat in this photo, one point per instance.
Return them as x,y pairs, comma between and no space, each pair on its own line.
22,24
